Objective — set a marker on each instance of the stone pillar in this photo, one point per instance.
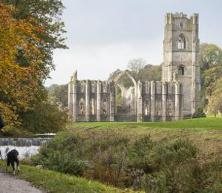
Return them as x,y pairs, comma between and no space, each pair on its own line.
164,101
87,100
74,102
177,101
70,95
153,100
112,103
139,102
98,101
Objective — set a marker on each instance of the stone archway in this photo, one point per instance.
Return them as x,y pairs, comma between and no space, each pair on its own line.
126,103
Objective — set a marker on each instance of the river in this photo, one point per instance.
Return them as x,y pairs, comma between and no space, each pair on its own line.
25,146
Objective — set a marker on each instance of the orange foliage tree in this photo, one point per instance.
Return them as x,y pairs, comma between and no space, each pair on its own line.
19,85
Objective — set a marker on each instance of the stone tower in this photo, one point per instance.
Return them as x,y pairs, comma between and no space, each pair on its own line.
181,51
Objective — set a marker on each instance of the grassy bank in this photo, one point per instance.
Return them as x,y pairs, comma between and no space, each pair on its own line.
55,182
150,159
206,133
194,124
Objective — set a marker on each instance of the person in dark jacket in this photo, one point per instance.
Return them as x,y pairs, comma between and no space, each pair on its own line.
12,159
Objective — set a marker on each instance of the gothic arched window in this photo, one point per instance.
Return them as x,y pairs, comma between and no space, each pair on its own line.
181,42
181,70
81,107
93,106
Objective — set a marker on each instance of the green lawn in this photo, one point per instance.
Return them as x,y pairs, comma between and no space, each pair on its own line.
198,123
55,182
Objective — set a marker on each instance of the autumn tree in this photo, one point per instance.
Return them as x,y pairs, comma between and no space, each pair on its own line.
18,84
29,31
47,15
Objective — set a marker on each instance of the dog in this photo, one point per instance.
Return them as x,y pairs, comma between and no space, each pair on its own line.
12,159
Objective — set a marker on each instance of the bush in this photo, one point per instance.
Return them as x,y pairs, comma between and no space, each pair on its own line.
62,154
178,170
199,113
110,157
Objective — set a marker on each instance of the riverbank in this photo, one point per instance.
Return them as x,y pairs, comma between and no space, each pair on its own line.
55,182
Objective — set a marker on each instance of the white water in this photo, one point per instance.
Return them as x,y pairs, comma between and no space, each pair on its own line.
24,151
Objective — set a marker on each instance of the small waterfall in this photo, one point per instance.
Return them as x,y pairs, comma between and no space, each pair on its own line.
23,141
25,146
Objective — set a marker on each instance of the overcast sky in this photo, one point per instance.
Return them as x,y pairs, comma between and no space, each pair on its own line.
104,35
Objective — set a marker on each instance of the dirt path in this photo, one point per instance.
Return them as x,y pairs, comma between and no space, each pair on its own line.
10,184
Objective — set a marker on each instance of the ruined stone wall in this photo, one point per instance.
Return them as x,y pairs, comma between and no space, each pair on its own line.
91,100
95,101
161,101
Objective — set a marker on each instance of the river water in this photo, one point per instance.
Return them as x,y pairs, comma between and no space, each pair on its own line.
25,146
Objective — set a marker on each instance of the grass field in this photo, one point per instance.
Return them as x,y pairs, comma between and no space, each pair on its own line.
55,182
206,133
198,123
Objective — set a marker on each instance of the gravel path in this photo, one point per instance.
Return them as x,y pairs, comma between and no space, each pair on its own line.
10,184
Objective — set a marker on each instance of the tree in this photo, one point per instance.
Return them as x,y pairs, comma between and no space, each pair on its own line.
215,100
135,65
29,31
44,118
210,78
211,70
46,16
210,55
150,72
58,94
18,88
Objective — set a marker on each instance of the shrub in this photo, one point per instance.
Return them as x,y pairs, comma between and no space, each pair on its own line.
178,170
62,154
199,113
158,167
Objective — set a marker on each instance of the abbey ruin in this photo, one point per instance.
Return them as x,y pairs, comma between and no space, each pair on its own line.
173,98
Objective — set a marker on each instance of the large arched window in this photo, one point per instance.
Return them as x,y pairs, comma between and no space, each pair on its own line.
81,106
181,42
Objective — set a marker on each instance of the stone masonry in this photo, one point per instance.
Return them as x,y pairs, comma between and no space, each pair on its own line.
173,98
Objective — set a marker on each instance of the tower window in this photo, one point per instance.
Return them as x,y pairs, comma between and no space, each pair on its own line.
181,42
181,25
181,70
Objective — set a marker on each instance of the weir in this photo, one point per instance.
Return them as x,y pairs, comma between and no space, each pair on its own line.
26,147
19,142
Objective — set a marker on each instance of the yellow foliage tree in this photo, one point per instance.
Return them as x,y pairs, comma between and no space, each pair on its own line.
19,85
